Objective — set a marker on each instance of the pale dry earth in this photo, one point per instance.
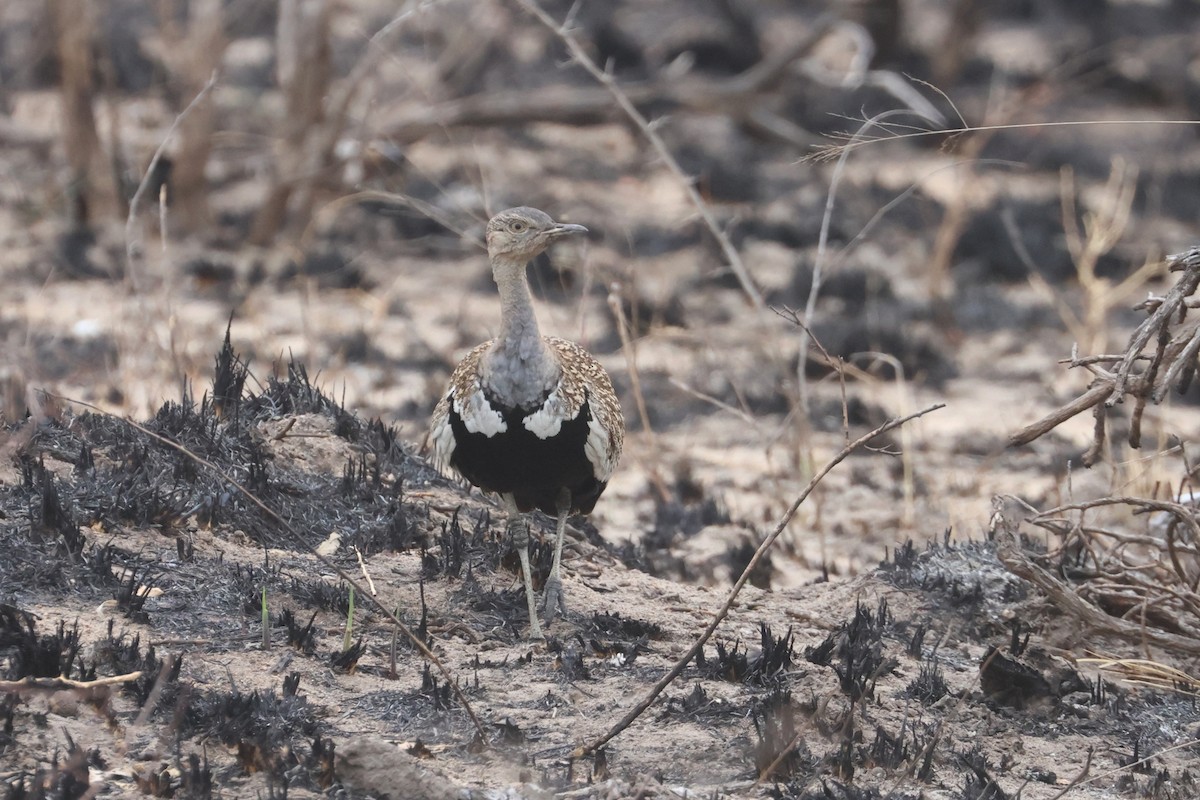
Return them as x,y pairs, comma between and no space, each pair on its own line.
382,326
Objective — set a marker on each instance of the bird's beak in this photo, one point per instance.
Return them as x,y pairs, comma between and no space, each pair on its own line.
565,229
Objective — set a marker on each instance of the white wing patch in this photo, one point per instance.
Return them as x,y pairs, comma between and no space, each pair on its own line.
547,421
478,415
598,450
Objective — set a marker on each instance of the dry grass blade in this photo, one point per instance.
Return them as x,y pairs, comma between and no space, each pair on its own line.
1145,672
831,152
133,242
758,556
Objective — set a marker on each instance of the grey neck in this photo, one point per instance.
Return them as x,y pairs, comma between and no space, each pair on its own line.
519,370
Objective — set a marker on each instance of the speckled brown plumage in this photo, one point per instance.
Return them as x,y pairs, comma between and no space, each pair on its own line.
532,418
583,380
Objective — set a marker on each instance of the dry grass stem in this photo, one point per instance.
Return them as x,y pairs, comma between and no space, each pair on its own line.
907,458
192,50
1131,767
1146,672
833,151
819,265
627,347
1102,231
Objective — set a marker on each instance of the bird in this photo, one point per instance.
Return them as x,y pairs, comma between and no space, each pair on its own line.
532,418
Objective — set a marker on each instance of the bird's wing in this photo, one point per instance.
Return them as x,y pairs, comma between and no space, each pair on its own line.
584,380
465,397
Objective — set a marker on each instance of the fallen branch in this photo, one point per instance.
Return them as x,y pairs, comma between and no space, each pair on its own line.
758,556
59,684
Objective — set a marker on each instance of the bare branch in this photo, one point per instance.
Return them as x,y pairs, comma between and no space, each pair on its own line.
1189,263
1098,393
1172,363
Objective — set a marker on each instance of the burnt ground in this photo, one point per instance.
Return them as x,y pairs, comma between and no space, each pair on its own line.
883,650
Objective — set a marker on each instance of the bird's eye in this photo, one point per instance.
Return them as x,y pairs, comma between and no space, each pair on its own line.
517,227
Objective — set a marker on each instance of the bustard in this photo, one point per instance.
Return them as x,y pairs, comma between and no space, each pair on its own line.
533,418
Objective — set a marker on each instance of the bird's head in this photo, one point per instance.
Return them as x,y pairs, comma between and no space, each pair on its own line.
519,234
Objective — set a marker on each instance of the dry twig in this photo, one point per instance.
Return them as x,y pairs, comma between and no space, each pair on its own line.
1153,593
1172,363
31,684
133,242
758,556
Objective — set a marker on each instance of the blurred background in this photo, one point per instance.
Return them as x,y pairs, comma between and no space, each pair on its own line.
946,195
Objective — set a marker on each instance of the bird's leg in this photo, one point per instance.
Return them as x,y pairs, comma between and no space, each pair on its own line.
518,529
554,603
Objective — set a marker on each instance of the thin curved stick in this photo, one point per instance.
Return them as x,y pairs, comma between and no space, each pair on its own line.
759,554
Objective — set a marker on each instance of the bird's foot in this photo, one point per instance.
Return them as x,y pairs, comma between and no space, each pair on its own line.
553,600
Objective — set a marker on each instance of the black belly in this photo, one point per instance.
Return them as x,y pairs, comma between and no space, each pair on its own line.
533,470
